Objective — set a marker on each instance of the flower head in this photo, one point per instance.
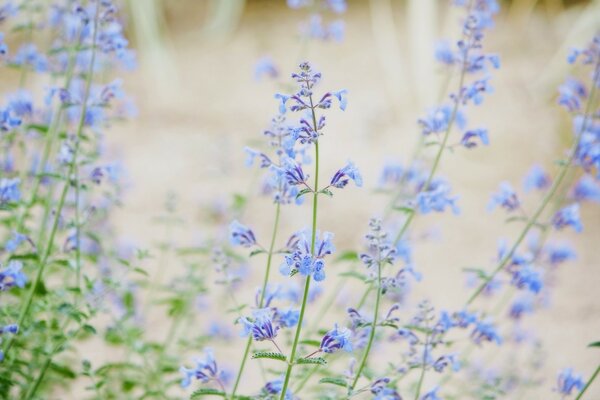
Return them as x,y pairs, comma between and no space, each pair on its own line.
342,176
568,216
568,381
506,198
241,235
336,339
204,370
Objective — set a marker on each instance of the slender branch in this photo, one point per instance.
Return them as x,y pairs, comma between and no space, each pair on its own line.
288,372
589,383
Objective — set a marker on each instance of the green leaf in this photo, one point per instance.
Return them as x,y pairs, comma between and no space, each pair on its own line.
477,271
327,192
206,392
236,310
66,372
354,274
312,360
334,381
303,192
269,354
89,329
594,344
311,342
347,256
255,252
517,218
404,209
239,201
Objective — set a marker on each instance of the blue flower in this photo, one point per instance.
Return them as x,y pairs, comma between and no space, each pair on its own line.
527,277
587,189
571,94
536,178
275,386
29,56
294,173
437,120
265,161
468,139
342,96
8,121
261,327
436,198
205,370
432,395
568,382
408,335
505,198
382,392
265,67
336,339
302,261
485,332
3,46
12,328
241,235
287,318
446,360
283,99
15,241
342,176
560,253
568,216
522,305
12,276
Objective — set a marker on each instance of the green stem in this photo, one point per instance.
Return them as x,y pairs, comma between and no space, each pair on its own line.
422,376
363,362
44,262
262,296
589,383
288,372
51,136
551,192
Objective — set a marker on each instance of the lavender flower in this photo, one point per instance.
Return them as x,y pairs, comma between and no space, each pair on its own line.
505,198
485,332
336,339
568,381
568,216
537,179
468,139
261,327
241,235
342,176
586,189
205,371
12,276
303,261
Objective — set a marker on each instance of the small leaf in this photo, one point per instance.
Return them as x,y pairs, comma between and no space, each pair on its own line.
347,256
303,192
311,342
327,192
206,392
255,252
334,381
269,354
312,360
354,274
594,344
404,209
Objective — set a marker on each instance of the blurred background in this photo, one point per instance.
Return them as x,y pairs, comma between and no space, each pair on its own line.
200,102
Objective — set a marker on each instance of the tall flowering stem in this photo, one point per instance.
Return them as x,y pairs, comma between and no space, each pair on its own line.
566,165
72,165
588,383
262,297
290,366
363,361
